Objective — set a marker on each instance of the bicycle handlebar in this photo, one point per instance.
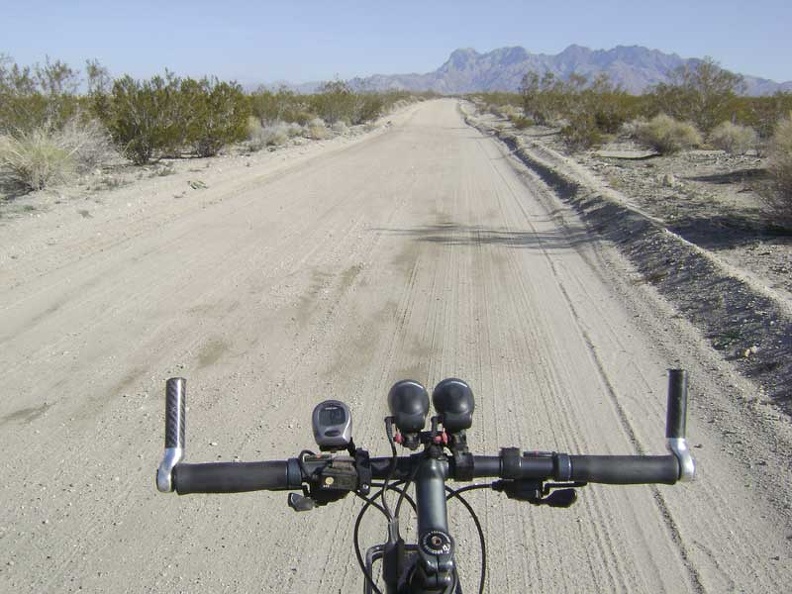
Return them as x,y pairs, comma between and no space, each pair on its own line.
234,477
277,475
283,475
548,478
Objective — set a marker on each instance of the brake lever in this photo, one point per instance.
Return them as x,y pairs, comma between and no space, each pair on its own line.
300,503
560,498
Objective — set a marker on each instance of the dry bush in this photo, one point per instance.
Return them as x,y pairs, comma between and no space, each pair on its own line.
45,157
666,135
520,121
780,167
89,142
734,138
316,130
506,111
259,137
339,128
581,132
33,161
255,134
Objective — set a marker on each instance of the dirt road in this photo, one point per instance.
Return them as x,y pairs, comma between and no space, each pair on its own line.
417,252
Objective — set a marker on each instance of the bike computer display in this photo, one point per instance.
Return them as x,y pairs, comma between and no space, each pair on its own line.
332,425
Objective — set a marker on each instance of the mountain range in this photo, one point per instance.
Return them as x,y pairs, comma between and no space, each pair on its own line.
635,68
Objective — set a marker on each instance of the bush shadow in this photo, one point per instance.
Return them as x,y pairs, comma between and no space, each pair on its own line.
725,231
455,234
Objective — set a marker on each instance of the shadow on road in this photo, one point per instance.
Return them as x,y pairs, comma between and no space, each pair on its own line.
454,234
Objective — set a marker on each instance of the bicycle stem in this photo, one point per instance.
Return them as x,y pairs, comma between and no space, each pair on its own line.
436,566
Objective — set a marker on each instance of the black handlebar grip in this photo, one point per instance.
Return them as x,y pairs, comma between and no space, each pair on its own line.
234,477
175,402
677,403
625,470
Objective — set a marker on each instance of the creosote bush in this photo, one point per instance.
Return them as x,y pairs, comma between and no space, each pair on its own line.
48,109
666,135
166,115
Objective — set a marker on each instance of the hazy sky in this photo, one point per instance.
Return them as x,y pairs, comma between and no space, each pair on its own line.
299,41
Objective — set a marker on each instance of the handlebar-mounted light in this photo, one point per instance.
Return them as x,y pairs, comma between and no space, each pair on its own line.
408,402
453,400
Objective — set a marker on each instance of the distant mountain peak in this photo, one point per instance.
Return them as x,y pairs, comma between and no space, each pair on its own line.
461,59
634,67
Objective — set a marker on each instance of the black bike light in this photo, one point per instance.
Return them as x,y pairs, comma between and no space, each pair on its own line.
409,403
453,401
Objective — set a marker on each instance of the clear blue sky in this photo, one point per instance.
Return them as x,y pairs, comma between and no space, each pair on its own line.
300,41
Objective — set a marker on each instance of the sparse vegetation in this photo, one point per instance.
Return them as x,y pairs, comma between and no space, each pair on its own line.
780,166
581,132
586,111
667,135
704,94
520,122
734,138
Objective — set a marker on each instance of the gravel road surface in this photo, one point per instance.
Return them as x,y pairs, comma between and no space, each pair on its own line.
420,251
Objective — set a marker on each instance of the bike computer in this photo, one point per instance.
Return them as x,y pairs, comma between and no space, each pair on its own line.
332,425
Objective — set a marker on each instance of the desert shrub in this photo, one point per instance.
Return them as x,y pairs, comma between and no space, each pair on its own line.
763,113
34,160
316,129
335,101
283,105
507,111
142,117
339,128
520,121
733,138
701,92
163,116
275,134
36,96
221,117
542,97
369,107
667,135
45,157
581,132
89,142
780,167
293,130
598,104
